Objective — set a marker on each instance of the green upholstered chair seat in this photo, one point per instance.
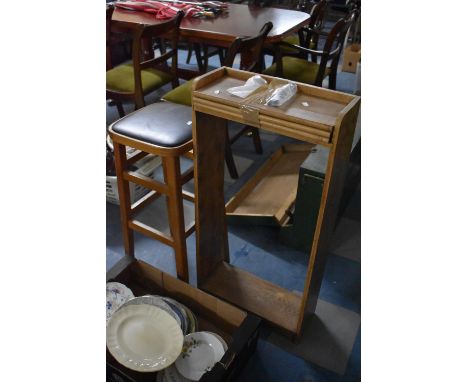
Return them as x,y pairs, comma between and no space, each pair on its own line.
121,79
294,39
298,69
181,94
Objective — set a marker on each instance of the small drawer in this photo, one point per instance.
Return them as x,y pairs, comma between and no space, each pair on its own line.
239,329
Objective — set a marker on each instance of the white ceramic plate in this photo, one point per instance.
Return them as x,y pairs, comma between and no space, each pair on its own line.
155,301
116,295
144,338
200,352
172,375
221,339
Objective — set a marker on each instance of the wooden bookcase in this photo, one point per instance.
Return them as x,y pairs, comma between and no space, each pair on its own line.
316,115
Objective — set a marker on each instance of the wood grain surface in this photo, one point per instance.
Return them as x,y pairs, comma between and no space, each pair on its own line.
242,20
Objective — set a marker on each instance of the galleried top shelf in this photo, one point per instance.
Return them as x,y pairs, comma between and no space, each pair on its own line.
311,116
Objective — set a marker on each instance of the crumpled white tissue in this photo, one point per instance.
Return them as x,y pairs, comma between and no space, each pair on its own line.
252,84
282,94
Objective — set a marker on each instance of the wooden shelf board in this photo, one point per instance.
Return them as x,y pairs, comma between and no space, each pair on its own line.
273,189
263,298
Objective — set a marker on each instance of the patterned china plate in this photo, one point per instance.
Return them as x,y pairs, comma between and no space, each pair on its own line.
193,321
190,319
200,353
116,295
180,312
144,337
171,373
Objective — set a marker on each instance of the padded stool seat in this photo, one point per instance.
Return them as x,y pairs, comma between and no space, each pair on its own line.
160,124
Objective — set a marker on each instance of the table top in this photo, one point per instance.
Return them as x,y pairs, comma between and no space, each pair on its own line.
242,20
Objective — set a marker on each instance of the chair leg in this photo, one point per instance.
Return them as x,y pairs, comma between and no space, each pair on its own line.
231,165
256,140
332,80
162,45
139,101
221,56
197,49
120,109
124,198
206,58
189,53
175,208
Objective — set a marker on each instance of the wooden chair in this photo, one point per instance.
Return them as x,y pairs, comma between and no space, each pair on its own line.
250,49
132,81
306,37
159,129
310,72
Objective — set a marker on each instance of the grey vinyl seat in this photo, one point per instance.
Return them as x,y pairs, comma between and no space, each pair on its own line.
162,124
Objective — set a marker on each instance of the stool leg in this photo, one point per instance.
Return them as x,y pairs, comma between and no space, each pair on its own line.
124,197
175,209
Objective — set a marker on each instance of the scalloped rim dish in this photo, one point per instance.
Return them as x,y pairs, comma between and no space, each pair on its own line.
144,338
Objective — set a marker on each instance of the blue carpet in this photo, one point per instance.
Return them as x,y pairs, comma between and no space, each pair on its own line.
272,364
341,284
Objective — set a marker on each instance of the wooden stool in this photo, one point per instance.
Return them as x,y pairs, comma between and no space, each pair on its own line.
160,129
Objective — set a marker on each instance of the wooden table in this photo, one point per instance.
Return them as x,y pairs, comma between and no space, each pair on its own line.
242,20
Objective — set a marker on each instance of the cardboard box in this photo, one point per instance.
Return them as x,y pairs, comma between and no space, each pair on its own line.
351,57
239,329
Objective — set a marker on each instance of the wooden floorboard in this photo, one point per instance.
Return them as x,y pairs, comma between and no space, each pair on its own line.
267,300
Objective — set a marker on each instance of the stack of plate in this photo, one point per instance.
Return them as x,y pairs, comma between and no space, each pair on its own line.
189,323
146,334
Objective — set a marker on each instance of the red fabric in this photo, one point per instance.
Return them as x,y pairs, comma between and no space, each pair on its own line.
162,10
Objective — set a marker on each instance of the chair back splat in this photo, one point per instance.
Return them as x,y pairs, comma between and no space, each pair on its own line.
333,47
309,35
250,49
